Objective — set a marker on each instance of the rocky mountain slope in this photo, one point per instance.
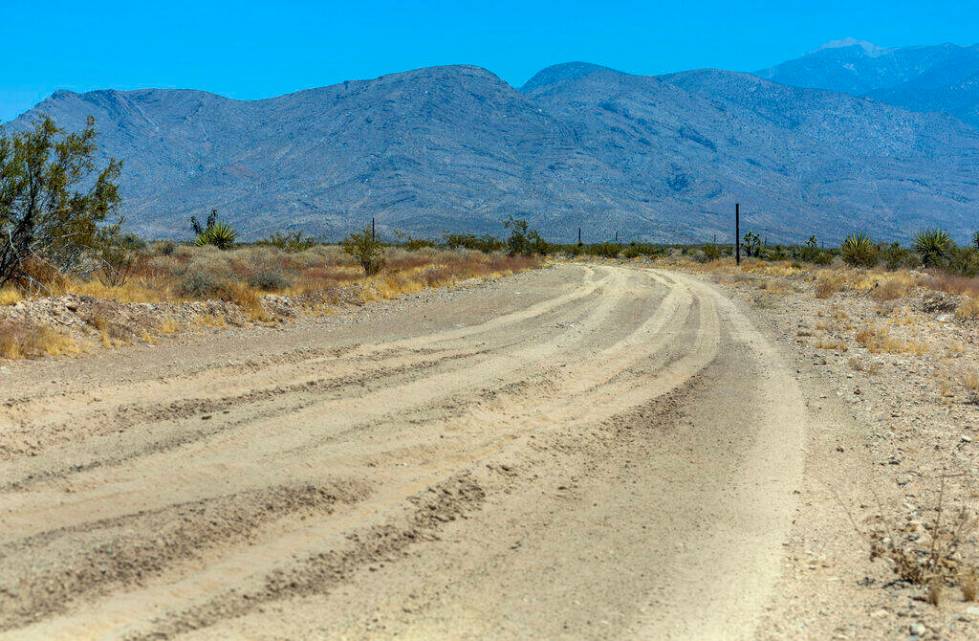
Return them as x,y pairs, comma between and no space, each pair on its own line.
456,148
943,78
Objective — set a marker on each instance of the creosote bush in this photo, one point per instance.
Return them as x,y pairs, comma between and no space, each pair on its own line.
366,249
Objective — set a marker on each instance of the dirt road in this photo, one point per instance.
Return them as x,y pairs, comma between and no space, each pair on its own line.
580,452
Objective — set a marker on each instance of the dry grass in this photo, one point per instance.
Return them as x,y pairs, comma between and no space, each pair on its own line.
968,309
878,340
862,365
834,344
26,340
10,296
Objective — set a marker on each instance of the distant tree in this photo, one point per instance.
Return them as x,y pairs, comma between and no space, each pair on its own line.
52,198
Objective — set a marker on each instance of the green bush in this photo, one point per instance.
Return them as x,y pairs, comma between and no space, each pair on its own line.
859,251
523,241
934,246
895,256
964,261
485,244
712,252
366,249
293,243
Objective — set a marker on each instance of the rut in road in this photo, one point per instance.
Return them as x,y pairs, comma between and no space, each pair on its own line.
516,461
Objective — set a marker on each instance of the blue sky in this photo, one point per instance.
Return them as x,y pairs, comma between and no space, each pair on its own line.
250,49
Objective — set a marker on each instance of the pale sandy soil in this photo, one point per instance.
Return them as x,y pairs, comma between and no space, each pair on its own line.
581,452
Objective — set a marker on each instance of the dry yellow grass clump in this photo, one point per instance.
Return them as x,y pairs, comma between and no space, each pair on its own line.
10,296
878,339
25,340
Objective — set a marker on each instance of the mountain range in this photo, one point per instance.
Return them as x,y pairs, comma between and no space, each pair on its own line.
805,148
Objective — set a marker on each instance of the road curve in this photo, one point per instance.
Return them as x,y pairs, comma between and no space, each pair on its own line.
580,452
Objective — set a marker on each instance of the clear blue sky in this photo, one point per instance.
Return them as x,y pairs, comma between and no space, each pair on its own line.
250,49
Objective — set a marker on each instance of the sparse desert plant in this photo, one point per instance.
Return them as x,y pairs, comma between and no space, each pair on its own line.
859,251
829,282
198,284
934,246
751,243
895,256
268,280
523,241
295,242
218,234
712,252
366,249
485,244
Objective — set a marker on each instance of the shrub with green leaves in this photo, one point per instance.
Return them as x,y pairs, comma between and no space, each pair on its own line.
485,243
53,200
295,242
366,249
751,244
712,252
895,256
934,246
859,251
523,241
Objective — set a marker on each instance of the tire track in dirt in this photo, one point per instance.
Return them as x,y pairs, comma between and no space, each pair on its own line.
467,417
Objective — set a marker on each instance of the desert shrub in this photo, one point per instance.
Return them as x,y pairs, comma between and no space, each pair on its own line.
828,282
198,284
485,243
165,248
751,245
934,246
963,261
268,280
859,251
366,250
116,254
895,256
604,250
293,243
523,241
712,252
52,199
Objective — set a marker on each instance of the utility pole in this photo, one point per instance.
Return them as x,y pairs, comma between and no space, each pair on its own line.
373,230
579,236
737,233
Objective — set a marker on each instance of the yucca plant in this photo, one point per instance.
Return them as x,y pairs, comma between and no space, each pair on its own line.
221,235
859,251
934,246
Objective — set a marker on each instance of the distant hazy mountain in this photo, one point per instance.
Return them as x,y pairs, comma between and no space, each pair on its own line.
455,148
941,78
